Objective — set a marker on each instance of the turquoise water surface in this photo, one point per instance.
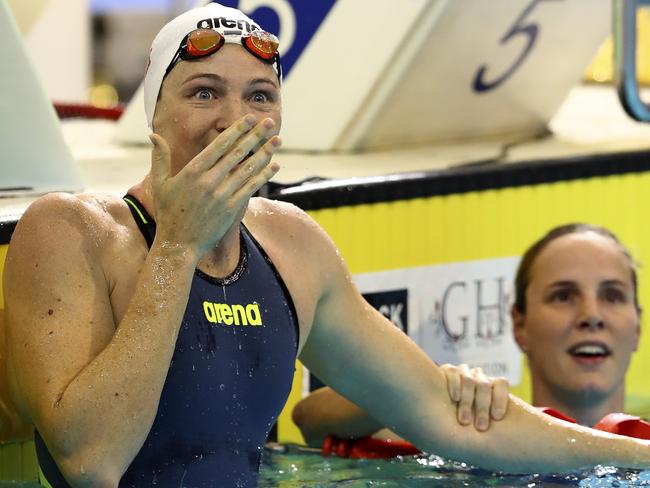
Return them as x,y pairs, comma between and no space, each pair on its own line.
296,467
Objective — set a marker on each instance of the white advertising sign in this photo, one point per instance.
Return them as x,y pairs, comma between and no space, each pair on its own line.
456,312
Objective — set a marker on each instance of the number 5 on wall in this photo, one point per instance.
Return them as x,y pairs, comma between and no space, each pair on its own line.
530,30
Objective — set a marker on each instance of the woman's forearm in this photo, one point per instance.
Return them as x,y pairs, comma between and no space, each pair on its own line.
528,440
325,412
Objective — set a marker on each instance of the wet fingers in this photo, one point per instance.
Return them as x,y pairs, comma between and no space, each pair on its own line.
483,399
223,144
255,171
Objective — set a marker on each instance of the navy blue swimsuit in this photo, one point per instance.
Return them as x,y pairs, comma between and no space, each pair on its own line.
228,380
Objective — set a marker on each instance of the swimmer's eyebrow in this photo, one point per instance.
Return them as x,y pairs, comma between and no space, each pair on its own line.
573,284
217,79
562,284
565,285
267,81
614,282
212,76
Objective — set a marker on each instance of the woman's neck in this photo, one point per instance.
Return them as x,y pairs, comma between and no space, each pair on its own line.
587,407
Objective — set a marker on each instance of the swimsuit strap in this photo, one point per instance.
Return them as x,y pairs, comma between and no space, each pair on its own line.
142,218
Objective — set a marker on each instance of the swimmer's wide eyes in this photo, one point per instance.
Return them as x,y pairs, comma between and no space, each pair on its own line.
264,97
260,97
204,94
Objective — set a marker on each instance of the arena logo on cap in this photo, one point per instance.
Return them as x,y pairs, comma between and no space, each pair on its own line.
294,22
218,22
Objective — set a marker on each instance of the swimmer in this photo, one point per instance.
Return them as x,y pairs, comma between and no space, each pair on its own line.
151,339
576,316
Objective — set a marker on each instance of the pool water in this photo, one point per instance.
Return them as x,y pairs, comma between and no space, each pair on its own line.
295,467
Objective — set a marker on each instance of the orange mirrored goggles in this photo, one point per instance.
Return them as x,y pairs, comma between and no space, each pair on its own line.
203,42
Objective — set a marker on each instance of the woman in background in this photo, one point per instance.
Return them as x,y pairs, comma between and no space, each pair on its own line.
576,316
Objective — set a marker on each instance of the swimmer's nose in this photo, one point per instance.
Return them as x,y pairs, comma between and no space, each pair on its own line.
590,317
230,109
592,323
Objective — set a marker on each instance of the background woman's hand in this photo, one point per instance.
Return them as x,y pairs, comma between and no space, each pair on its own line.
480,398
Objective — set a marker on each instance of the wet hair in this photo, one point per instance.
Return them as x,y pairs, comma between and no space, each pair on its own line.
522,278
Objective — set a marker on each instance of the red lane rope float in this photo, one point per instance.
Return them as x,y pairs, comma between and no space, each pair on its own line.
371,448
557,414
614,423
85,111
367,448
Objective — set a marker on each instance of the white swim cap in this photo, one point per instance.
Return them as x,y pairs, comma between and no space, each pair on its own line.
231,23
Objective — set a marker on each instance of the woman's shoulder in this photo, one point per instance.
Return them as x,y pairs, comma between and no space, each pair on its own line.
284,227
82,208
59,216
259,206
285,224
265,212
